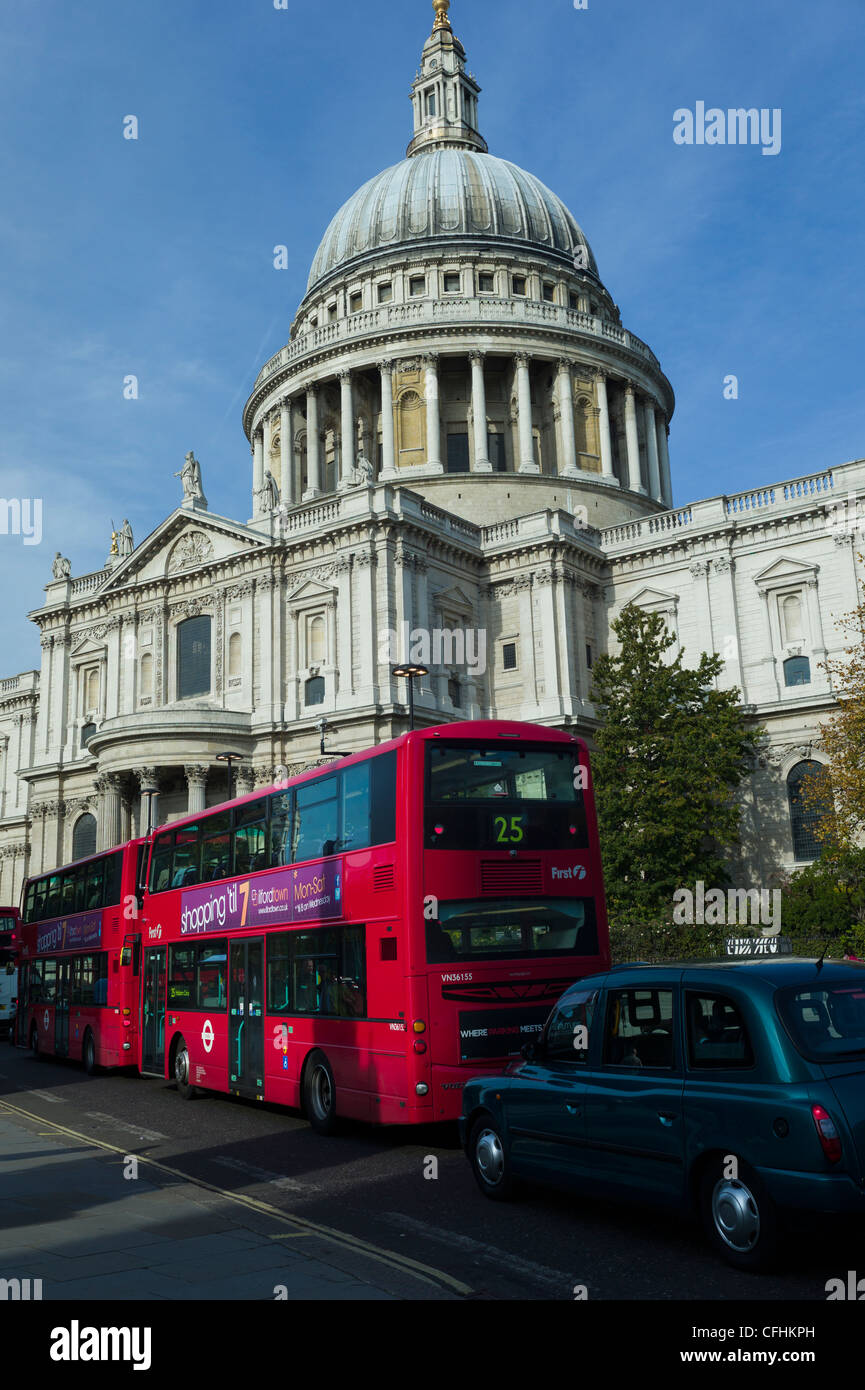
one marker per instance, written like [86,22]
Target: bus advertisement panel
[362,940]
[79,982]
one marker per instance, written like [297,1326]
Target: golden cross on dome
[441,8]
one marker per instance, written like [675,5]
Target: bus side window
[29,903]
[94,884]
[113,878]
[68,892]
[383,799]
[185,869]
[53,906]
[279,972]
[250,837]
[80,888]
[355,806]
[160,863]
[280,829]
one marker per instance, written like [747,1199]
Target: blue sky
[155,256]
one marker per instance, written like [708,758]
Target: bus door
[153,1012]
[61,1008]
[246,1019]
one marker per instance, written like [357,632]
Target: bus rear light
[127,1023]
[126,1013]
[420,1046]
[830,1139]
[421,1089]
[419,1026]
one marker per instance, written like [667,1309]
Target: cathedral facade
[460,457]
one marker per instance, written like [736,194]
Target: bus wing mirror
[530,1051]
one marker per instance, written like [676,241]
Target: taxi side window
[639,1031]
[717,1036]
[567,1034]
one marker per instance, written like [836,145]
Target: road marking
[151,1136]
[262,1175]
[556,1279]
[46,1095]
[291,1235]
[403,1264]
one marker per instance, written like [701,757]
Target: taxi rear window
[825,1022]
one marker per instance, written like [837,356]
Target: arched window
[235,654]
[314,691]
[91,689]
[87,731]
[455,693]
[791,613]
[146,674]
[84,836]
[797,671]
[315,641]
[193,658]
[803,818]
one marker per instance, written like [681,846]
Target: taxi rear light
[830,1139]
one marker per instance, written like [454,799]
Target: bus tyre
[88,1055]
[182,1071]
[34,1042]
[740,1218]
[490,1160]
[319,1094]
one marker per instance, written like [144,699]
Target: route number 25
[508,831]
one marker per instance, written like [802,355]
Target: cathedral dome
[448,194]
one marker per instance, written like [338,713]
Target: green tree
[669,760]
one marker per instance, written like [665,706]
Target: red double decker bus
[362,940]
[78,987]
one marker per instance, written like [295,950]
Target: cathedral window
[589,656]
[455,694]
[84,836]
[486,282]
[87,731]
[797,671]
[90,690]
[314,691]
[458,452]
[235,654]
[573,300]
[509,656]
[549,291]
[385,292]
[417,286]
[331,313]
[355,303]
[452,282]
[193,658]
[518,284]
[804,816]
[145,675]
[430,98]
[791,618]
[315,640]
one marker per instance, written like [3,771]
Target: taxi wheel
[181,1071]
[490,1161]
[319,1094]
[740,1218]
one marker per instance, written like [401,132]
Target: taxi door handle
[573,1108]
[666,1117]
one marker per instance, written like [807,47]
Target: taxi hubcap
[490,1157]
[736,1215]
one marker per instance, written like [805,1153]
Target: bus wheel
[88,1055]
[181,1071]
[490,1162]
[34,1042]
[319,1094]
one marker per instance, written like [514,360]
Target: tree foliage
[669,760]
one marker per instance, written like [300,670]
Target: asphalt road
[371,1184]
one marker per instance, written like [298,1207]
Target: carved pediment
[786,571]
[653,600]
[183,543]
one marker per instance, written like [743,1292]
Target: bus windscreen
[501,797]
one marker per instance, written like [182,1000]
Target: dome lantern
[444,95]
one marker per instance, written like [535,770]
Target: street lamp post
[229,758]
[408,670]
